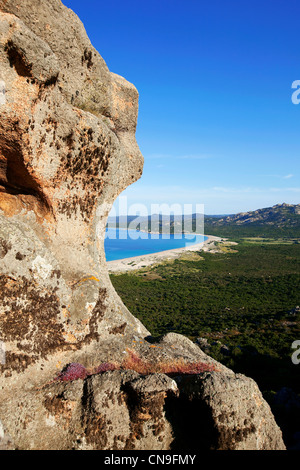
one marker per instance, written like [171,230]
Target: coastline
[143,261]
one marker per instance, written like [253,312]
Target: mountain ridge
[280,216]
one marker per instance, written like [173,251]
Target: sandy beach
[139,262]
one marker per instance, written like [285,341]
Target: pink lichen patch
[133,361]
[71,372]
[75,371]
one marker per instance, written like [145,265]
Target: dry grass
[132,361]
[177,367]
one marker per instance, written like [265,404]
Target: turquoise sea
[123,243]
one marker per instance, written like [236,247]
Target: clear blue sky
[217,125]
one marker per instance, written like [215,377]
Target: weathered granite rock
[67,150]
[229,413]
[6,442]
[117,410]
[65,157]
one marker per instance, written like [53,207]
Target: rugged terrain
[281,215]
[280,219]
[240,302]
[78,370]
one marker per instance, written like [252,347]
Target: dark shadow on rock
[192,424]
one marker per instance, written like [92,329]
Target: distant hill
[281,215]
[281,220]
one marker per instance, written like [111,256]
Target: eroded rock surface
[67,150]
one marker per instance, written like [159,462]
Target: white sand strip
[138,262]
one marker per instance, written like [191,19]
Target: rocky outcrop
[67,150]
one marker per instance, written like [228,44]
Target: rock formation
[67,150]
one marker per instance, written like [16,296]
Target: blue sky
[217,125]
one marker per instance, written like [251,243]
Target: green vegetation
[243,231]
[241,297]
[280,221]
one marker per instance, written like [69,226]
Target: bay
[123,243]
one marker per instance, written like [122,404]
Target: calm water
[122,243]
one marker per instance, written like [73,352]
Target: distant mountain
[281,215]
[124,221]
[219,216]
[158,222]
[282,220]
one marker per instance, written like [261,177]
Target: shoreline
[138,262]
